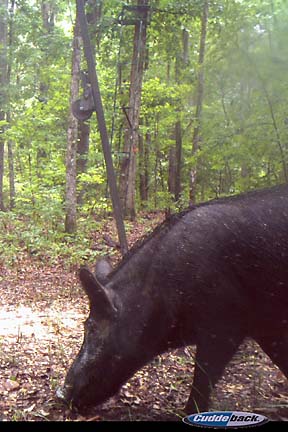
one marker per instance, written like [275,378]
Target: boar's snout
[72,391]
[63,394]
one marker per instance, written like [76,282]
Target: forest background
[195,102]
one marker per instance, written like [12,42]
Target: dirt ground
[42,309]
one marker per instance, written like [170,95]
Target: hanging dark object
[81,111]
[83,108]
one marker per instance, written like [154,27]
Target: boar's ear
[99,298]
[102,270]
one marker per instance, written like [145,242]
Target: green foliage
[244,131]
[40,235]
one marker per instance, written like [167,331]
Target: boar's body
[210,276]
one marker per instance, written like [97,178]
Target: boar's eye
[89,325]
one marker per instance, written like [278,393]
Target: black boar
[209,276]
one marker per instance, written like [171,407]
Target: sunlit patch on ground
[28,322]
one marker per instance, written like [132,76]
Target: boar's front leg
[213,354]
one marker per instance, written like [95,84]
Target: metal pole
[102,126]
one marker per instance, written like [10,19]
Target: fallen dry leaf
[9,385]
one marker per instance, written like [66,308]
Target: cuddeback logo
[225,419]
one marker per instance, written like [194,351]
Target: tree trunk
[172,171]
[185,43]
[178,155]
[175,155]
[72,137]
[82,153]
[199,102]
[2,206]
[8,115]
[281,146]
[3,88]
[142,177]
[83,146]
[144,151]
[131,139]
[48,15]
[175,163]
[94,15]
[157,162]
[48,24]
[11,175]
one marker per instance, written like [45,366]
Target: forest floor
[42,309]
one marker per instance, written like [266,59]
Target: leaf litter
[42,308]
